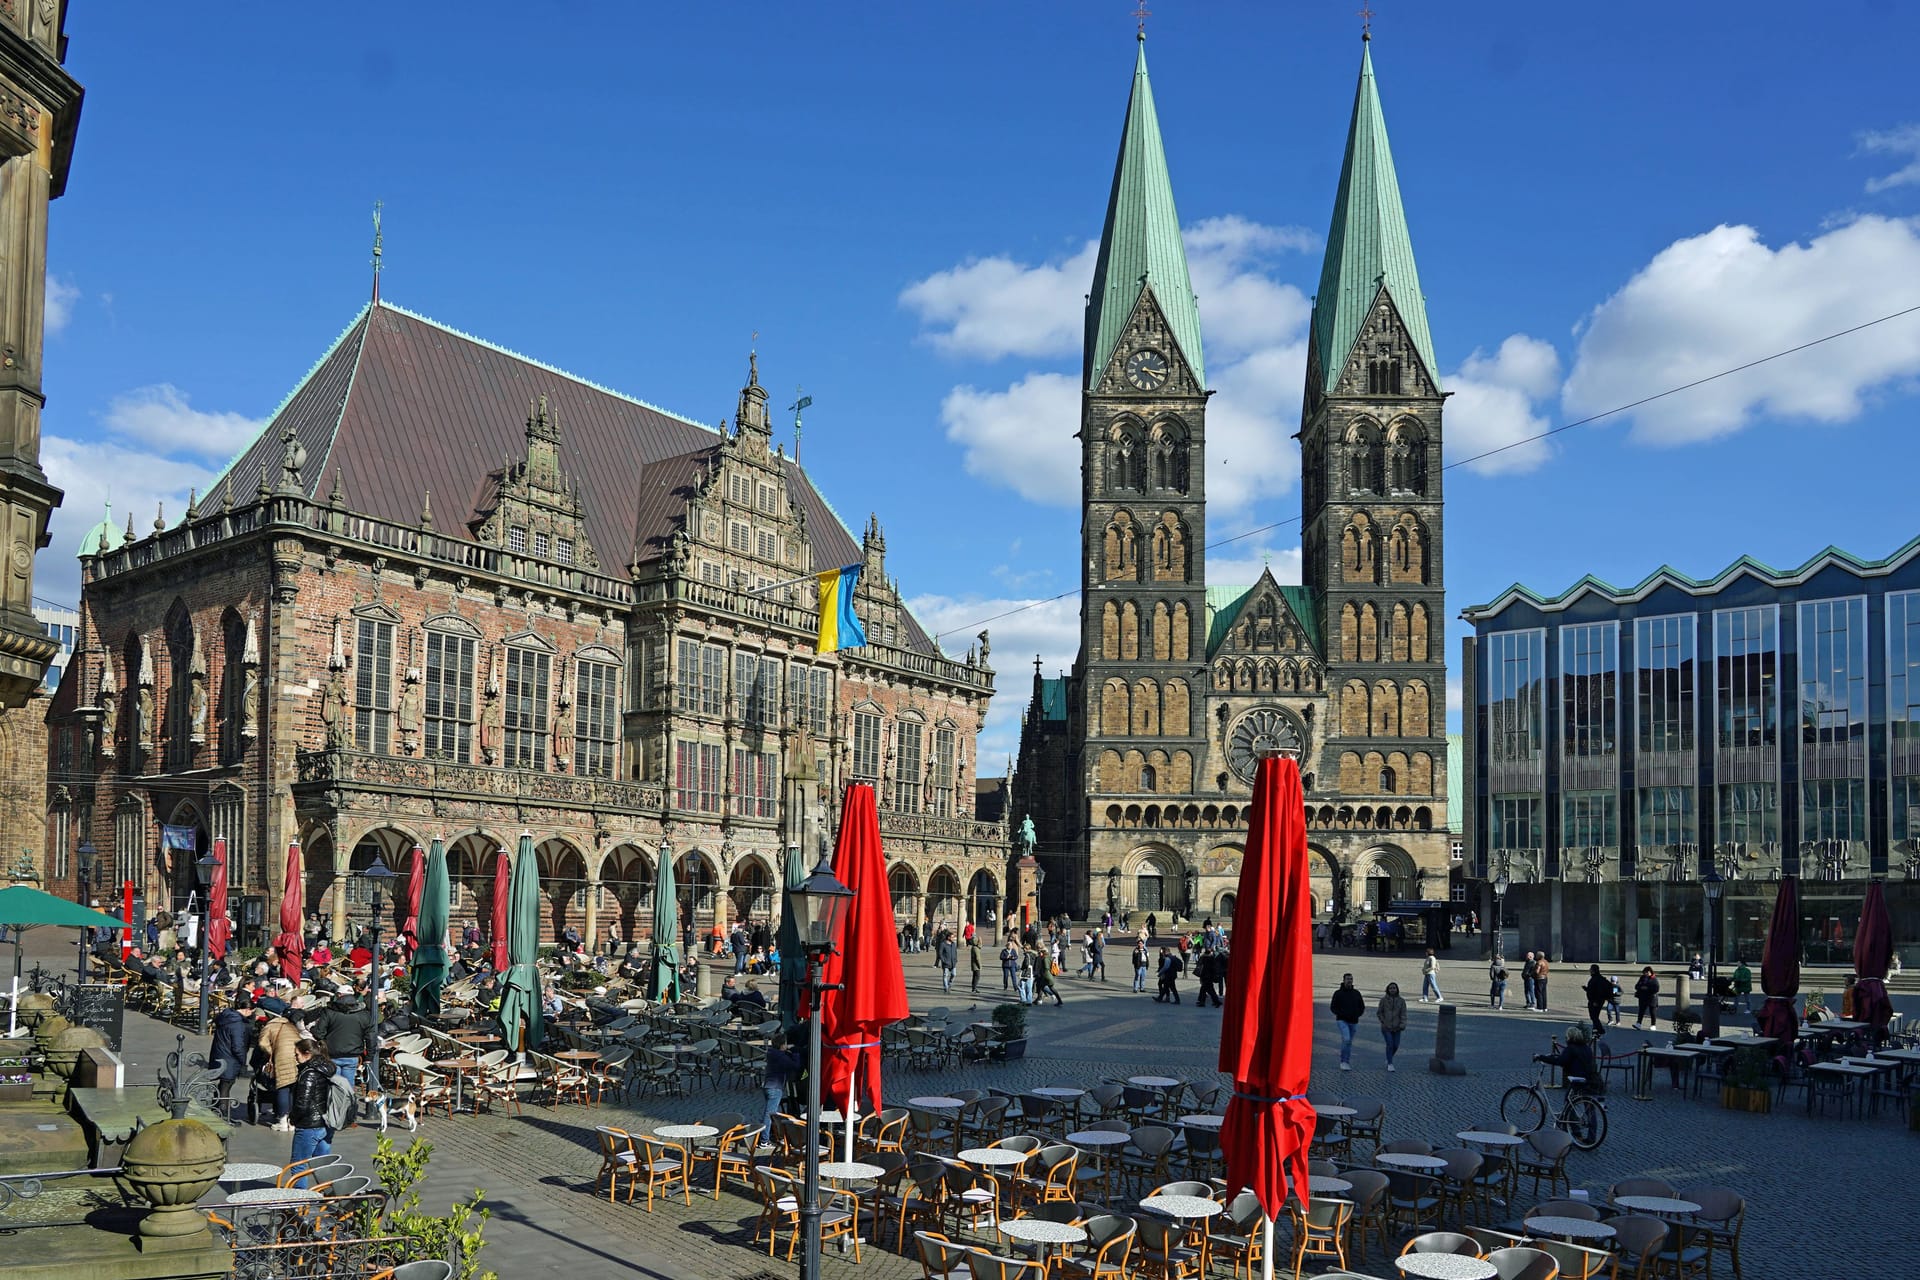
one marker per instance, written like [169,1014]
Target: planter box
[1735,1098]
[21,1092]
[1011,1050]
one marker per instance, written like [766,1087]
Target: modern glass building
[1762,722]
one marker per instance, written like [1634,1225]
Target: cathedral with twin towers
[1137,766]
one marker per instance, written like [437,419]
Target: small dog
[384,1106]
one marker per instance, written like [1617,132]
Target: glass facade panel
[1903,712]
[866,746]
[595,685]
[1746,656]
[907,782]
[1833,675]
[1589,818]
[1749,813]
[372,685]
[526,707]
[1664,683]
[1666,816]
[1589,689]
[1516,684]
[1832,809]
[1515,822]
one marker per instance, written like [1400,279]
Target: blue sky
[1605,201]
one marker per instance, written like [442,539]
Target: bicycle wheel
[1523,1108]
[1586,1123]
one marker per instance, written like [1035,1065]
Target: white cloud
[1901,140]
[91,472]
[1242,562]
[160,417]
[1049,628]
[1456,695]
[1713,301]
[1495,404]
[61,295]
[1022,436]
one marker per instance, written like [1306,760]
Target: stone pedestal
[1024,908]
[703,984]
[1445,1043]
[108,1252]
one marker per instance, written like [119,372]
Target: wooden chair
[1320,1231]
[1716,1227]
[941,1258]
[992,1266]
[617,1157]
[1544,1158]
[1164,1251]
[662,1164]
[1239,1234]
[1104,1253]
[1371,1212]
[1443,1242]
[1637,1242]
[1576,1262]
[1523,1264]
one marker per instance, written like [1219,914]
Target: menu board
[100,1005]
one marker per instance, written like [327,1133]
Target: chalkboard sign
[100,1005]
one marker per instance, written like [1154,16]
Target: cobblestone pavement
[1805,1178]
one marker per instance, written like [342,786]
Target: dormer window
[517,540]
[542,545]
[563,550]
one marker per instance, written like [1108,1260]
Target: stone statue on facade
[109,713]
[490,726]
[563,735]
[250,703]
[197,707]
[333,710]
[143,718]
[410,711]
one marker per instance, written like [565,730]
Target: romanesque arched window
[1407,456]
[1366,457]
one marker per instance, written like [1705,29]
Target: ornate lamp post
[86,856]
[1501,883]
[203,870]
[820,910]
[1713,886]
[379,874]
[1039,883]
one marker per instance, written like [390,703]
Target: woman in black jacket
[232,1036]
[1646,994]
[311,1088]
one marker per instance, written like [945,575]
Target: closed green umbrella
[666,928]
[793,965]
[522,1022]
[429,970]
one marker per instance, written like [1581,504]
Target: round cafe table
[1057,1091]
[685,1132]
[1334,1111]
[1151,1082]
[1203,1121]
[1322,1185]
[1402,1160]
[936,1102]
[246,1172]
[275,1195]
[1478,1138]
[1183,1207]
[1098,1138]
[849,1170]
[1658,1206]
[1042,1235]
[1572,1230]
[1445,1266]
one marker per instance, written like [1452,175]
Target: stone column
[342,866]
[592,929]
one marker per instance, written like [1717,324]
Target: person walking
[1599,990]
[1613,1001]
[1010,967]
[312,1084]
[277,1041]
[1497,982]
[1211,968]
[1743,986]
[947,956]
[342,1027]
[1153,925]
[1526,978]
[1540,981]
[1347,1005]
[1139,964]
[1392,1011]
[1029,958]
[1646,996]
[1169,977]
[1043,984]
[232,1032]
[1430,978]
[784,1066]
[973,961]
[1097,954]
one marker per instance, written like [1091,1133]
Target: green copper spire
[1368,245]
[1141,242]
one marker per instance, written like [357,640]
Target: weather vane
[1366,20]
[377,206]
[799,406]
[1140,15]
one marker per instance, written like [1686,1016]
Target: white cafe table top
[1657,1204]
[1445,1266]
[685,1132]
[1041,1231]
[1153,1082]
[995,1155]
[1183,1206]
[1098,1138]
[1204,1121]
[850,1169]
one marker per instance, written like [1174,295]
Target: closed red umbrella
[416,877]
[1266,1033]
[1780,966]
[290,942]
[219,928]
[502,885]
[1872,954]
[873,987]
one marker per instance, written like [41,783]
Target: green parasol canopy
[24,907]
[429,970]
[793,965]
[522,1021]
[666,930]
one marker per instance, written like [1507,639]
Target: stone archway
[1383,873]
[471,858]
[750,891]
[627,875]
[345,895]
[983,899]
[943,898]
[696,879]
[563,883]
[1155,877]
[903,887]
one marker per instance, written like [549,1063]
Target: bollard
[703,985]
[1682,993]
[1445,1041]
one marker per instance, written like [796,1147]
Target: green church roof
[1368,245]
[1224,604]
[1053,698]
[1140,243]
[102,538]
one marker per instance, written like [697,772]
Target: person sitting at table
[747,995]
[321,956]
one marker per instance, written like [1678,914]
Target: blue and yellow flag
[839,628]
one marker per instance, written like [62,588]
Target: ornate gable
[1147,330]
[532,508]
[1267,623]
[1384,360]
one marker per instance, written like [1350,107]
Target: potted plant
[16,1081]
[1010,1025]
[1747,1086]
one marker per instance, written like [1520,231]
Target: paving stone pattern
[1808,1181]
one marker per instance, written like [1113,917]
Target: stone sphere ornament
[171,1165]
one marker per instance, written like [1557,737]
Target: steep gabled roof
[1140,242]
[1368,247]
[1225,603]
[1667,576]
[401,404]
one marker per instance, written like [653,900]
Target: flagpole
[790,582]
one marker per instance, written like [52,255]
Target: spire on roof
[1368,247]
[1140,244]
[377,205]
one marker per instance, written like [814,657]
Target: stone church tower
[1137,767]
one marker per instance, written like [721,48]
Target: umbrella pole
[850,1106]
[1266,1248]
[13,1010]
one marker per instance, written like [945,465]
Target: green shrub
[455,1237]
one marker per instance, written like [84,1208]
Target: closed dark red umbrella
[502,885]
[1266,1033]
[416,878]
[291,942]
[873,987]
[219,928]
[1780,966]
[1872,953]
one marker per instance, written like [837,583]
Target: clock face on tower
[1147,369]
[1262,731]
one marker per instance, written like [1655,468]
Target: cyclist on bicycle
[1576,1061]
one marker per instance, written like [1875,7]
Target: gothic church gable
[1384,360]
[1147,330]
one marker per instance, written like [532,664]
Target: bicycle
[1582,1115]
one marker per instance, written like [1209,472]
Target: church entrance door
[1147,894]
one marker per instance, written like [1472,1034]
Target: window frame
[437,727]
[596,701]
[373,684]
[526,713]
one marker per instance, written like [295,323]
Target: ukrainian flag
[839,628]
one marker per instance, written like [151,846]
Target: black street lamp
[820,910]
[203,869]
[1713,886]
[378,873]
[1501,883]
[86,854]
